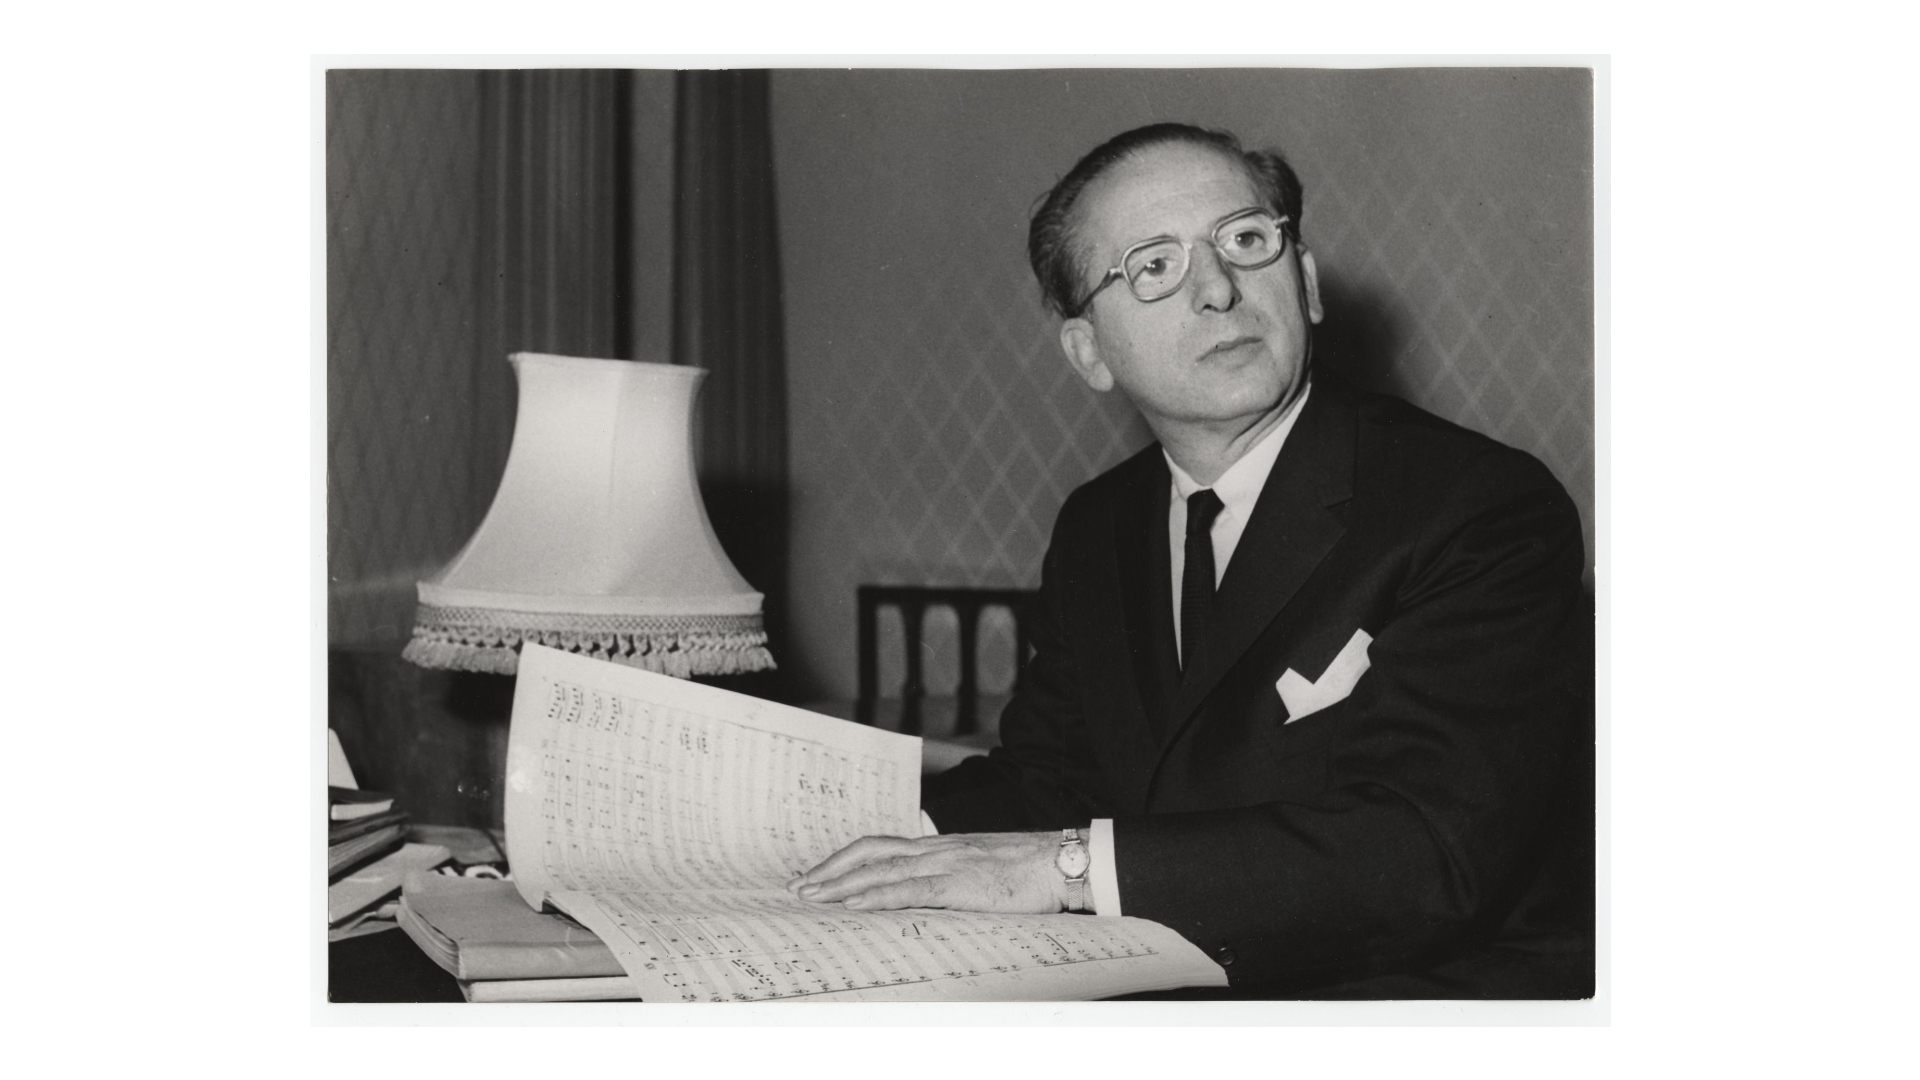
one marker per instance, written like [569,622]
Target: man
[1311,676]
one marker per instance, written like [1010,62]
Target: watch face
[1072,860]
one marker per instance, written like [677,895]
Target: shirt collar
[1239,487]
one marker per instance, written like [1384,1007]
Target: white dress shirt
[1239,488]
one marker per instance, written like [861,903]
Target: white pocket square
[1305,698]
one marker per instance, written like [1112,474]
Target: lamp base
[489,639]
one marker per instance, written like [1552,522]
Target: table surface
[386,967]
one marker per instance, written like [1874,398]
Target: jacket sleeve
[1439,773]
[1042,775]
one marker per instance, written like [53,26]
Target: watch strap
[1078,895]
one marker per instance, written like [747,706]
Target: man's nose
[1211,280]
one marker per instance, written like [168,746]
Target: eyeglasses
[1155,269]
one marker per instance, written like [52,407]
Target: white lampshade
[597,541]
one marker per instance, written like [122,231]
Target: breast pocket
[1287,740]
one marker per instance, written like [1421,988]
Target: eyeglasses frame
[1119,270]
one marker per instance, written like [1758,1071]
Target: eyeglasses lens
[1249,242]
[1155,270]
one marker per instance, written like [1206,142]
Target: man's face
[1231,344]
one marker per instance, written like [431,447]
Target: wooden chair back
[913,601]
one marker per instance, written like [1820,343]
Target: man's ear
[1083,352]
[1310,281]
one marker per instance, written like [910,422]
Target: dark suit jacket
[1428,836]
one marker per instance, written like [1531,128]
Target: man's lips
[1229,346]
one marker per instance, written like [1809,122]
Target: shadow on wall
[1362,337]
[750,520]
[445,755]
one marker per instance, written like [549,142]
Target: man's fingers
[854,855]
[885,870]
[986,872]
[915,892]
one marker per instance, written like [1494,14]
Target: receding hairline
[1077,245]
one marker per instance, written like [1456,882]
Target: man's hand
[1011,872]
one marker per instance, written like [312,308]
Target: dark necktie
[1196,579]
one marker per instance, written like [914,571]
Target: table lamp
[597,542]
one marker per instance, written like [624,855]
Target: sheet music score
[666,817]
[622,779]
[768,945]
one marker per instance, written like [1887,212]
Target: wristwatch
[1072,862]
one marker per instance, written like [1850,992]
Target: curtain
[727,319]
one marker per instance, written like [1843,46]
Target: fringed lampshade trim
[489,640]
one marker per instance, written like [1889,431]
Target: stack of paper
[355,896]
[360,826]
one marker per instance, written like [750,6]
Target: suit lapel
[1146,569]
[1135,661]
[1291,530]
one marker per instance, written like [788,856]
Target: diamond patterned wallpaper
[936,429]
[404,479]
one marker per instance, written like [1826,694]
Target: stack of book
[500,949]
[368,856]
[361,825]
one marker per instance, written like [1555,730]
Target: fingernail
[795,880]
[809,890]
[855,902]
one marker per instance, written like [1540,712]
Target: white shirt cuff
[926,825]
[1102,880]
